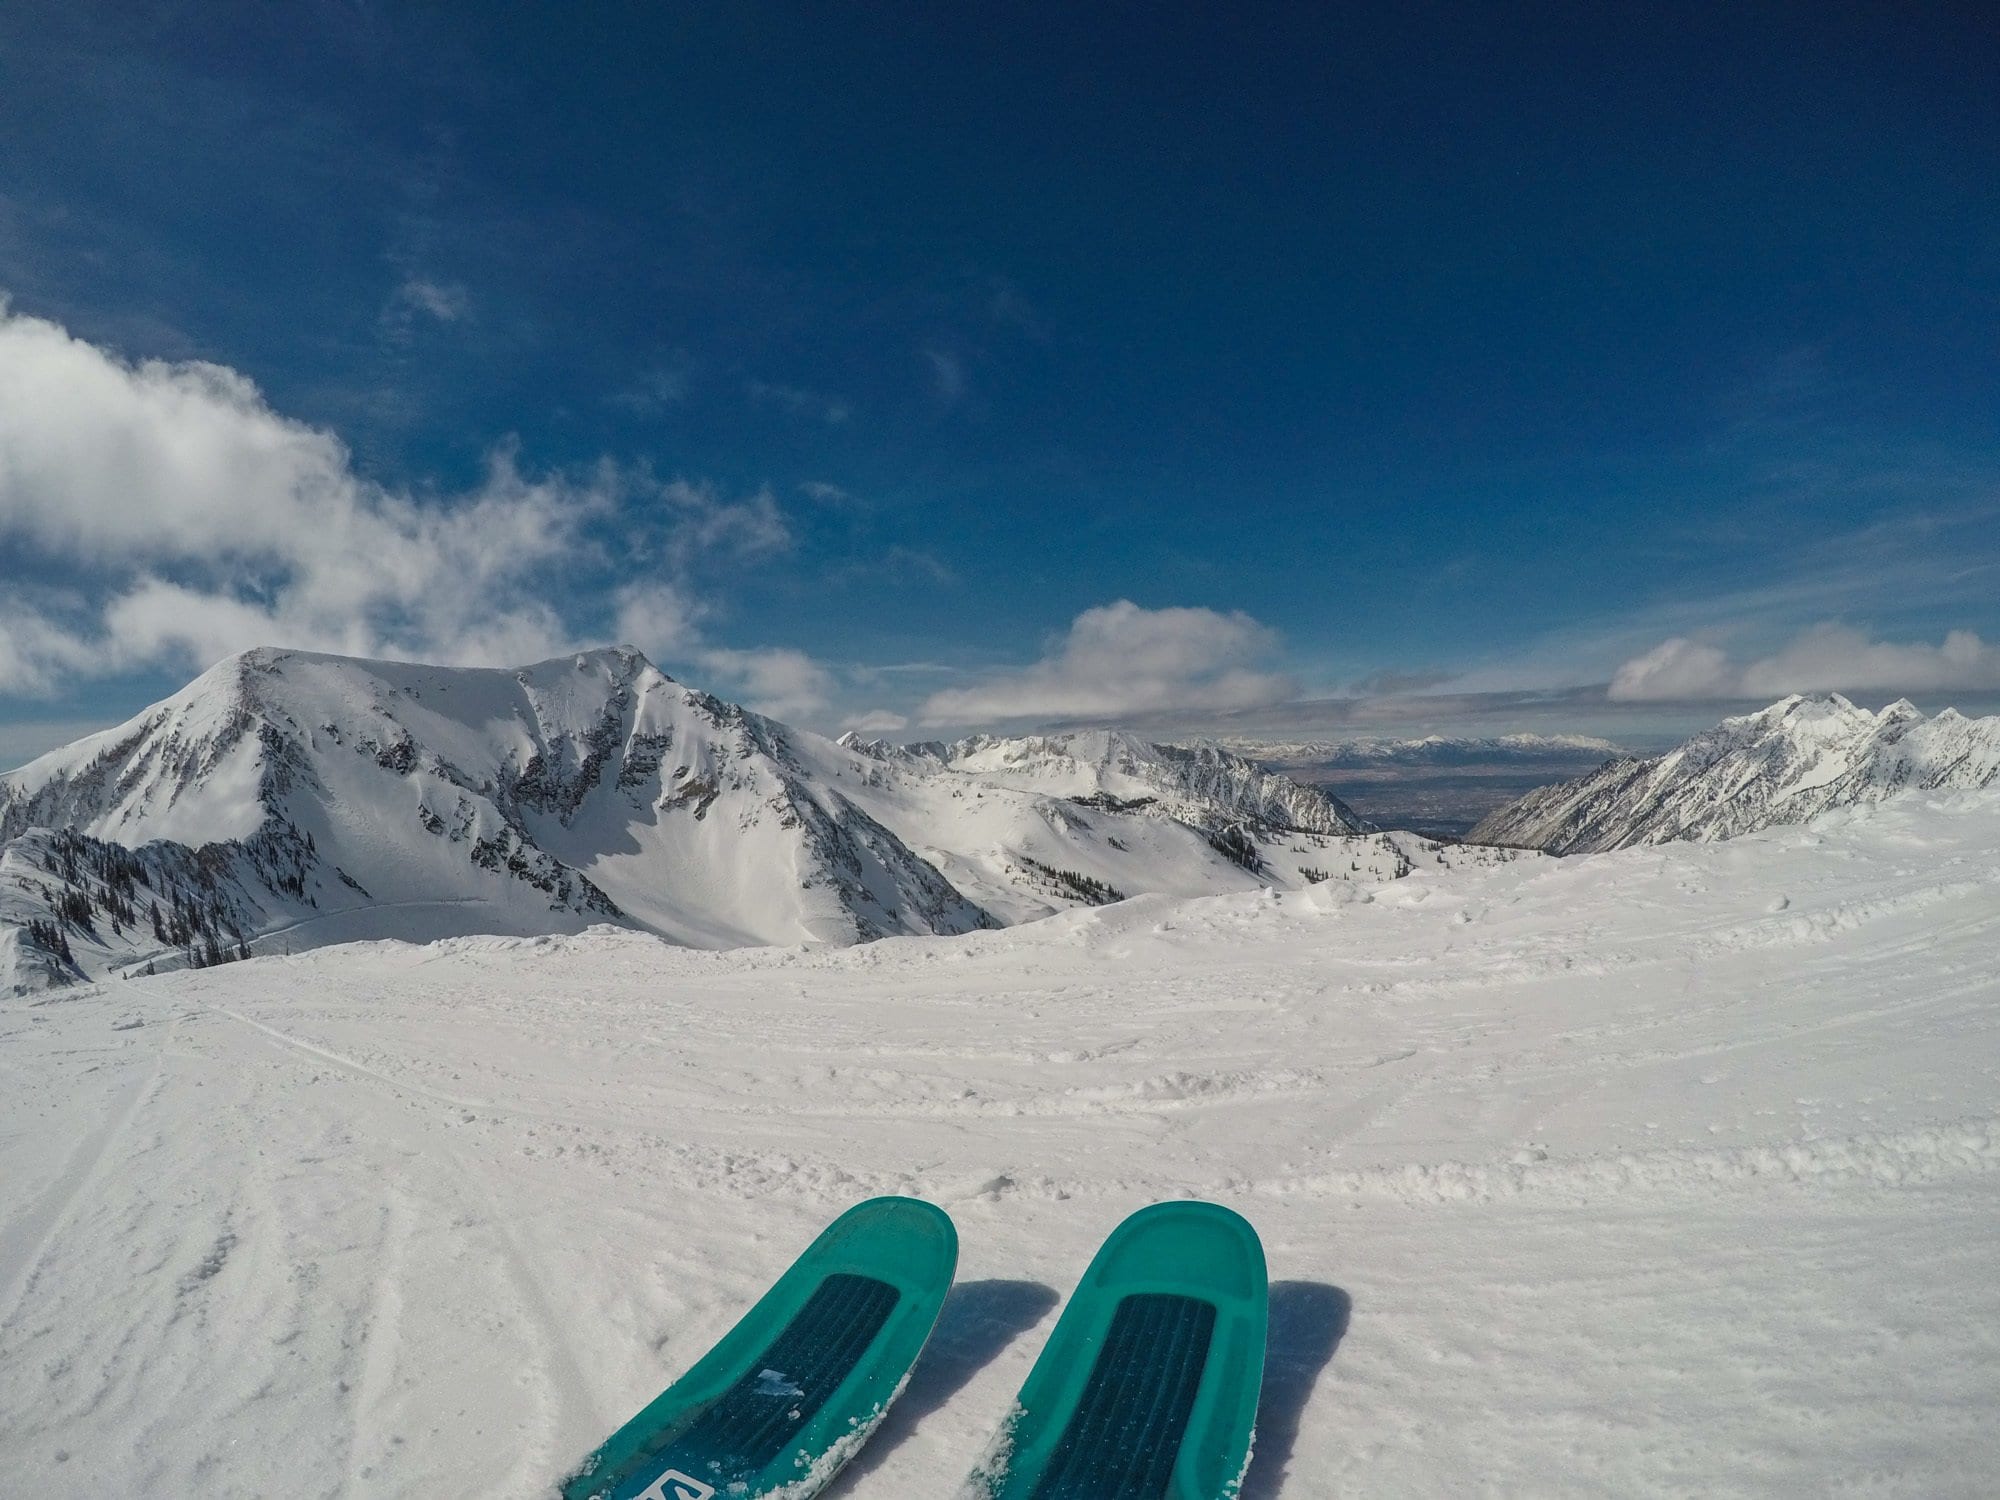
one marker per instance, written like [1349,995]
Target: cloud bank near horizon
[162,515]
[1826,658]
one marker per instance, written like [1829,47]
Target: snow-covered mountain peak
[1202,785]
[924,755]
[1782,764]
[1096,748]
[419,800]
[221,756]
[1830,715]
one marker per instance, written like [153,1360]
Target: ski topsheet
[1148,1387]
[794,1389]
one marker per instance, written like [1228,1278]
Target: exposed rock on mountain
[423,802]
[1784,764]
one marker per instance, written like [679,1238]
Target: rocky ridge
[1783,764]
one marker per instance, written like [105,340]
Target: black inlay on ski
[1126,1432]
[749,1423]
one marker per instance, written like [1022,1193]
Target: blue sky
[923,366]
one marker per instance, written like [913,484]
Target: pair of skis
[1147,1389]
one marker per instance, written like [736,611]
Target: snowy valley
[1439,784]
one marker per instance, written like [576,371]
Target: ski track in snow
[1664,1172]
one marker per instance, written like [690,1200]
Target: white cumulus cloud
[212,523]
[878,721]
[665,622]
[774,680]
[195,521]
[1828,657]
[1676,668]
[1120,659]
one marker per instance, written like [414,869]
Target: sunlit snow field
[1664,1172]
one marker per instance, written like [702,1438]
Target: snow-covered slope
[1202,785]
[1784,764]
[428,801]
[1027,826]
[285,800]
[1667,1172]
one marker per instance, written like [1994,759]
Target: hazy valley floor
[1658,1173]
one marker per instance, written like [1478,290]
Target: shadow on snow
[979,1320]
[1308,1321]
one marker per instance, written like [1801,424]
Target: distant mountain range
[285,800]
[1439,785]
[1201,785]
[1784,764]
[1369,753]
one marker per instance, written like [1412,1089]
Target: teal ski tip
[793,1390]
[1147,1389]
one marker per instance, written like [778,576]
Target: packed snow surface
[1669,1171]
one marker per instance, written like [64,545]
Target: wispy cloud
[1009,306]
[916,565]
[705,523]
[668,623]
[446,301]
[1892,576]
[664,385]
[774,680]
[1388,683]
[421,300]
[797,401]
[829,494]
[947,372]
[878,721]
[660,617]
[897,566]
